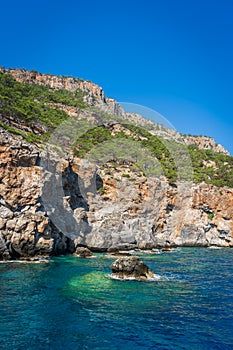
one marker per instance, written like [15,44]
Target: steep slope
[206,143]
[112,185]
[94,94]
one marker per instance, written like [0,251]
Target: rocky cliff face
[101,208]
[95,97]
[52,202]
[135,212]
[204,142]
[94,94]
[25,228]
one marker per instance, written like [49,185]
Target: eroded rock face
[130,267]
[110,211]
[149,213]
[25,227]
[94,94]
[204,142]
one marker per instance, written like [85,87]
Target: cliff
[128,214]
[54,199]
[94,94]
[206,143]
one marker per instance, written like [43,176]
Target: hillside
[77,169]
[34,104]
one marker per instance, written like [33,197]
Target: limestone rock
[25,231]
[39,218]
[132,211]
[83,252]
[145,213]
[130,267]
[94,94]
[204,142]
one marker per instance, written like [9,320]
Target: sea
[73,303]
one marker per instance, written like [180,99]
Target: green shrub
[101,190]
[210,216]
[126,175]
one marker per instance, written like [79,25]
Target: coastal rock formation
[205,142]
[188,215]
[130,268]
[25,227]
[145,213]
[53,201]
[83,252]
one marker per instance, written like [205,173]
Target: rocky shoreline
[54,202]
[148,214]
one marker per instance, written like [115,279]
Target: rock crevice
[41,219]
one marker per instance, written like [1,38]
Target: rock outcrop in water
[83,252]
[130,267]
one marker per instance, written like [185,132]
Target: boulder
[130,267]
[83,252]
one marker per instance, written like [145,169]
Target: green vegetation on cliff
[174,158]
[211,167]
[25,106]
[32,103]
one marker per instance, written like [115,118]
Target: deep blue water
[69,303]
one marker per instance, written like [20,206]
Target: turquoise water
[70,303]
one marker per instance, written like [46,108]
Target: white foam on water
[142,251]
[156,278]
[149,251]
[39,261]
[156,251]
[214,247]
[121,279]
[87,257]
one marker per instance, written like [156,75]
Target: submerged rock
[130,267]
[83,252]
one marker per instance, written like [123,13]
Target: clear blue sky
[174,56]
